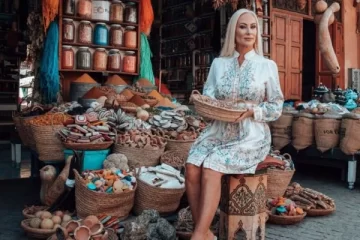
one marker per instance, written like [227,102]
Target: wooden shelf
[97,71]
[99,46]
[100,21]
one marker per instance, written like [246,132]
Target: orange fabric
[163,88]
[146,16]
[50,8]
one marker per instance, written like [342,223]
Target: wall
[351,39]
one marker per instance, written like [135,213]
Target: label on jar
[117,37]
[68,32]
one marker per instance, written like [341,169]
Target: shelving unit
[186,31]
[68,74]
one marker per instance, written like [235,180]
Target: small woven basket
[139,156]
[29,212]
[165,201]
[319,212]
[97,203]
[34,232]
[207,110]
[285,220]
[174,158]
[179,145]
[88,146]
[278,181]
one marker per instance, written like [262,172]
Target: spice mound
[50,119]
[109,180]
[85,78]
[115,80]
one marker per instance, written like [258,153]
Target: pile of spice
[85,78]
[115,80]
[97,92]
[109,180]
[52,119]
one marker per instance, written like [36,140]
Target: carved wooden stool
[243,207]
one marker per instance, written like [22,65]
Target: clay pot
[71,226]
[90,221]
[82,233]
[301,4]
[103,236]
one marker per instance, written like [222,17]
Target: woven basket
[88,146]
[139,156]
[179,145]
[29,212]
[285,220]
[319,212]
[97,203]
[165,201]
[20,130]
[48,145]
[174,158]
[34,232]
[112,234]
[27,132]
[277,182]
[207,110]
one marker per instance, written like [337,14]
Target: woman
[241,72]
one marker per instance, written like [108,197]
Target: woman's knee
[192,173]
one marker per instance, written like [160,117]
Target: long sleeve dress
[237,148]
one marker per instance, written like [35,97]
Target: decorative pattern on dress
[237,148]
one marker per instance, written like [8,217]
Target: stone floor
[342,225]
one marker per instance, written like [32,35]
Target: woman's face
[246,30]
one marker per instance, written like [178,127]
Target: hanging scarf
[146,16]
[146,70]
[49,68]
[50,8]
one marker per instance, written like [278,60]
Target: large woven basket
[20,130]
[27,132]
[88,146]
[139,156]
[207,110]
[179,145]
[48,145]
[34,232]
[174,158]
[277,182]
[165,201]
[285,220]
[96,203]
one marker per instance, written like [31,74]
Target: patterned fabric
[237,148]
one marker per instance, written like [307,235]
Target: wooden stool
[243,207]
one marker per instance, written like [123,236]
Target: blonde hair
[228,48]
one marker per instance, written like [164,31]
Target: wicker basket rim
[148,185]
[320,210]
[90,143]
[118,145]
[196,99]
[25,225]
[180,141]
[82,182]
[279,170]
[288,217]
[25,211]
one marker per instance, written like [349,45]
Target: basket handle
[287,156]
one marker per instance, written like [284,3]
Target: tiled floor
[7,170]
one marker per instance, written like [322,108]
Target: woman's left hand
[247,114]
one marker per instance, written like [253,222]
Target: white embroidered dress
[237,148]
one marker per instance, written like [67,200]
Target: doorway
[309,59]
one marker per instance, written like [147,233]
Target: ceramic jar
[116,35]
[129,62]
[100,59]
[117,11]
[130,37]
[130,13]
[85,32]
[114,60]
[84,8]
[67,57]
[68,30]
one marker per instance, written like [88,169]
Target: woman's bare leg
[209,202]
[193,189]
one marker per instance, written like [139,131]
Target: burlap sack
[327,133]
[302,131]
[350,134]
[281,131]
